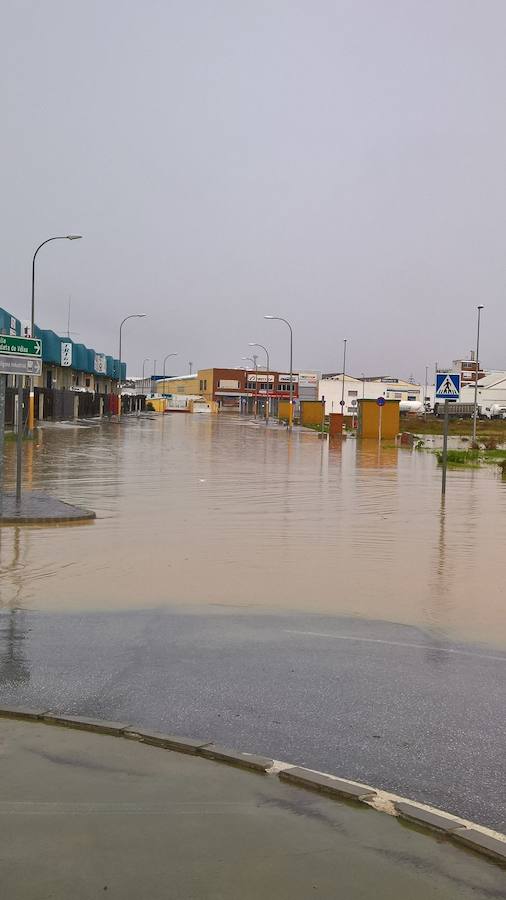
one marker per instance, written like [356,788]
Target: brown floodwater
[206,510]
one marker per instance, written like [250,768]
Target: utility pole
[476,364]
[344,370]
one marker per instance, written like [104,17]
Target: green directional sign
[18,346]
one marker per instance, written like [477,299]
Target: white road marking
[352,637]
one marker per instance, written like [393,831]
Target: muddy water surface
[198,510]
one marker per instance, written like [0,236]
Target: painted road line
[434,647]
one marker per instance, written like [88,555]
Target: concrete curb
[476,837]
[325,784]
[37,508]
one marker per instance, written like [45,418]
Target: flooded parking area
[222,512]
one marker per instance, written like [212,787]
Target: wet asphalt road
[382,703]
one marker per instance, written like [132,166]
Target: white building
[491,393]
[331,388]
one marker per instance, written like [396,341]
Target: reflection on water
[215,510]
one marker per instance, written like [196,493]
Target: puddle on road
[214,510]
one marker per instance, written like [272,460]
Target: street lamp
[31,401]
[133,316]
[61,237]
[165,360]
[253,359]
[256,344]
[31,404]
[143,364]
[290,412]
[344,370]
[475,411]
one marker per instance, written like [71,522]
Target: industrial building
[76,380]
[239,389]
[335,388]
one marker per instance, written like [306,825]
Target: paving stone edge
[457,831]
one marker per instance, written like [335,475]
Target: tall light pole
[253,359]
[290,411]
[143,364]
[154,378]
[344,370]
[256,344]
[426,389]
[133,316]
[165,361]
[31,405]
[475,411]
[363,384]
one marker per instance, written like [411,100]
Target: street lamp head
[270,317]
[481,307]
[74,237]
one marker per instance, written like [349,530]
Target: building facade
[240,389]
[335,389]
[69,369]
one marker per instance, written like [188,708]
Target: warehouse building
[76,380]
[240,389]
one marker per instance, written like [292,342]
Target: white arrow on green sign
[20,346]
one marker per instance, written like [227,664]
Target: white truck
[495,411]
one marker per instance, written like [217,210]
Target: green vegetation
[318,428]
[487,429]
[473,457]
[11,436]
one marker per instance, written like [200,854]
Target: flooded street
[220,512]
[274,592]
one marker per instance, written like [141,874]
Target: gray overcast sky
[338,163]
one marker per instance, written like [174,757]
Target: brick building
[238,388]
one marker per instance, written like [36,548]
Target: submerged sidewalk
[82,814]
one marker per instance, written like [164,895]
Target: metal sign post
[19,442]
[444,458]
[20,357]
[2,435]
[381,402]
[447,389]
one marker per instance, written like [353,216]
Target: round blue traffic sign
[381,401]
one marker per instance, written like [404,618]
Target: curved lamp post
[290,411]
[31,401]
[256,344]
[133,316]
[164,364]
[59,237]
[143,364]
[253,359]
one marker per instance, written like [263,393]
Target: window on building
[250,385]
[352,393]
[201,385]
[205,384]
[88,382]
[398,395]
[411,397]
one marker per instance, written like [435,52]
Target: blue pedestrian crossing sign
[447,385]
